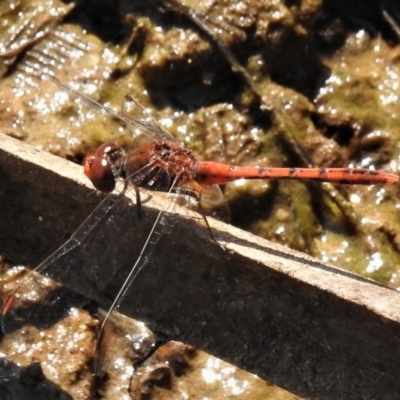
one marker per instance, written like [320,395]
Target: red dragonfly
[162,164]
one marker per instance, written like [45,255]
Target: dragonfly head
[99,169]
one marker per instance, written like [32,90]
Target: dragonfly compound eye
[98,168]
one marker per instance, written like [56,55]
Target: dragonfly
[161,164]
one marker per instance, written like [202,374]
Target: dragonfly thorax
[159,165]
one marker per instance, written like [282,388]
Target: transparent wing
[98,258]
[143,123]
[158,229]
[135,112]
[211,197]
[38,300]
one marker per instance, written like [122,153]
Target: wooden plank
[295,321]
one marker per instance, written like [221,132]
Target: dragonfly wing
[213,203]
[209,200]
[159,227]
[86,263]
[139,120]
[100,255]
[211,197]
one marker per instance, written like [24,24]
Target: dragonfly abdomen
[208,173]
